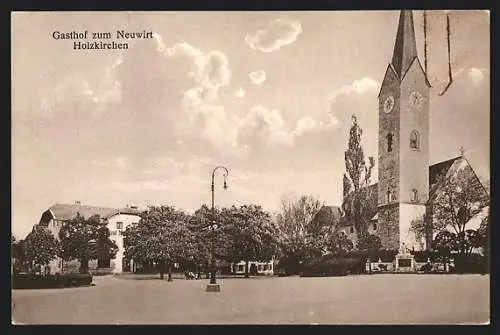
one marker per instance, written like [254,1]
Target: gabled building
[116,219]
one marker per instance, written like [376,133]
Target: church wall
[414,163]
[408,213]
[388,164]
[388,227]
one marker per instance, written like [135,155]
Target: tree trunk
[162,269]
[169,271]
[247,269]
[84,265]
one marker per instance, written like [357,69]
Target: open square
[375,299]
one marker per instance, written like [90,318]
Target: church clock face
[416,100]
[389,104]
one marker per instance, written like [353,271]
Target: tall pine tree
[356,180]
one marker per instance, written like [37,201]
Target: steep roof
[405,46]
[327,216]
[439,169]
[68,211]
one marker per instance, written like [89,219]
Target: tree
[205,240]
[356,204]
[340,244]
[422,227]
[460,198]
[296,234]
[444,243]
[84,239]
[106,248]
[484,235]
[39,247]
[369,242]
[251,232]
[161,236]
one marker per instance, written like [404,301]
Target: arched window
[389,142]
[414,140]
[414,195]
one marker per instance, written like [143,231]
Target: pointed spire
[405,48]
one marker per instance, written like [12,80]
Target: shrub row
[333,266]
[30,281]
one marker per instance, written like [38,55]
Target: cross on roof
[462,151]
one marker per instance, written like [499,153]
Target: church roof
[405,47]
[439,169]
[327,216]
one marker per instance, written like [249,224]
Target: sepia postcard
[251,167]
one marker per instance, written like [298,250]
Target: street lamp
[213,286]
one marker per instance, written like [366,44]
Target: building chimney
[78,202]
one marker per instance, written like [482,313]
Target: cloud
[280,32]
[77,92]
[307,125]
[240,93]
[210,71]
[257,77]
[123,163]
[267,124]
[477,75]
[358,86]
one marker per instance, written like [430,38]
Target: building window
[389,196]
[389,142]
[119,225]
[374,226]
[351,230]
[414,195]
[414,140]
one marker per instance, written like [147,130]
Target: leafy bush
[332,265]
[471,263]
[30,281]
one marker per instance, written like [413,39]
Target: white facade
[117,224]
[264,268]
[407,214]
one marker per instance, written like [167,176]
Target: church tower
[403,149]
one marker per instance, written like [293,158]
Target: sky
[269,95]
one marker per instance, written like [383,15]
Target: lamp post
[213,286]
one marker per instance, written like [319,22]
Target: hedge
[471,263]
[30,281]
[332,266]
